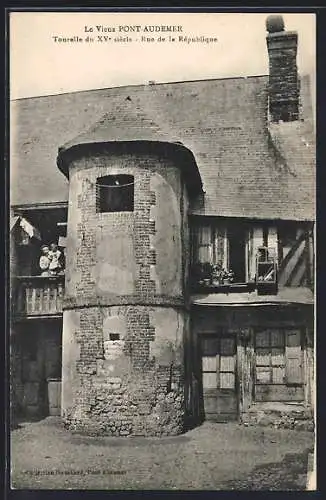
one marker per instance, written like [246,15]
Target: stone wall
[280,416]
[125,313]
[133,385]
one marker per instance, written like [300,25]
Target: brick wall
[131,270]
[283,76]
[125,314]
[134,385]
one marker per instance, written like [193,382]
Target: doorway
[218,364]
[39,383]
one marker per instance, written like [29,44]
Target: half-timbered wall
[295,252]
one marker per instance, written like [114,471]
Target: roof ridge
[243,77]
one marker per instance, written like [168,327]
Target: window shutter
[220,247]
[293,357]
[204,244]
[254,240]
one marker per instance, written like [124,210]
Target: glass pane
[278,357]
[219,246]
[209,346]
[209,363]
[209,381]
[204,235]
[227,347]
[262,339]
[263,375]
[277,338]
[204,254]
[262,356]
[279,375]
[227,381]
[272,253]
[293,338]
[227,364]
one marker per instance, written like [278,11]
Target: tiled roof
[222,122]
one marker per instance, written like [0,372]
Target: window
[225,252]
[218,362]
[219,252]
[270,357]
[115,193]
[278,360]
[266,265]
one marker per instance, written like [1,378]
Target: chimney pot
[274,24]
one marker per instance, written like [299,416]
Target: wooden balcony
[35,296]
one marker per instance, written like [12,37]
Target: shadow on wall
[195,415]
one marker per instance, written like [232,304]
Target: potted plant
[228,276]
[207,273]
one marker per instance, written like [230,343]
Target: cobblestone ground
[211,457]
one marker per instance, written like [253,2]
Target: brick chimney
[283,72]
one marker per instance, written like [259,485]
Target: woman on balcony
[44,262]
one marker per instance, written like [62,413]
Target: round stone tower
[126,314]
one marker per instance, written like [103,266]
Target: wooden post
[309,370]
[55,297]
[249,369]
[21,298]
[47,299]
[311,260]
[240,372]
[245,359]
[60,296]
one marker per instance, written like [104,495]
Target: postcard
[162,250]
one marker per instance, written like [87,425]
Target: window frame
[206,247]
[284,331]
[115,182]
[222,230]
[218,339]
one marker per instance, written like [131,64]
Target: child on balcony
[55,257]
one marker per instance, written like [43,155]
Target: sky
[39,65]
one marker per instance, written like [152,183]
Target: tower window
[114,336]
[115,193]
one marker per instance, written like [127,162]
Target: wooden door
[218,356]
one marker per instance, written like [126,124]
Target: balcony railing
[38,295]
